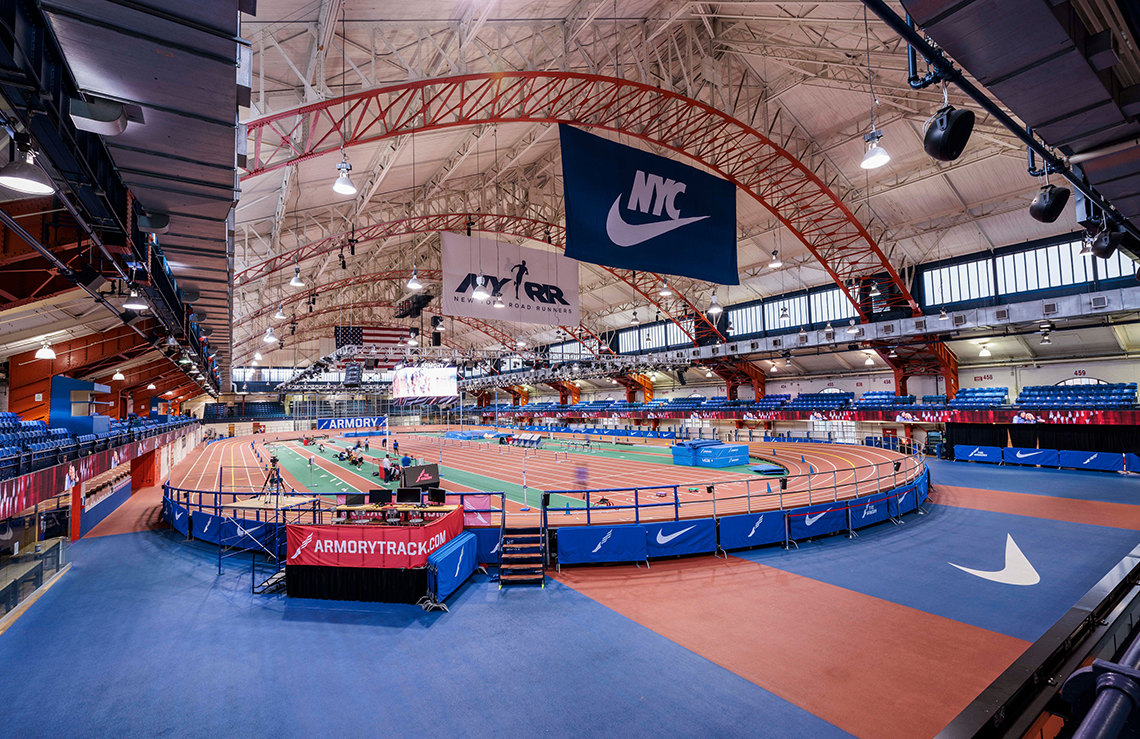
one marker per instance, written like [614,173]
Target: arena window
[958,282]
[830,305]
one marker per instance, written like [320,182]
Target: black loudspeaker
[681,376]
[546,500]
[436,339]
[1049,203]
[1105,243]
[783,483]
[948,133]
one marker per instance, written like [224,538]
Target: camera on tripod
[273,461]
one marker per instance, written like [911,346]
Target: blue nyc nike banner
[817,520]
[869,509]
[1023,455]
[977,453]
[752,529]
[624,543]
[630,209]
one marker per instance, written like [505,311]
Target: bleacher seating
[934,400]
[1078,397]
[980,398]
[773,402]
[882,400]
[820,402]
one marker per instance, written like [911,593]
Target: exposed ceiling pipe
[1084,156]
[948,72]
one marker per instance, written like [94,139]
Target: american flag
[370,336]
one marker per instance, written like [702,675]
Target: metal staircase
[522,558]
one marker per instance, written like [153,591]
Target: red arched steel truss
[798,198]
[646,284]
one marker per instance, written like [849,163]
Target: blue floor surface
[142,639]
[1110,487]
[909,565]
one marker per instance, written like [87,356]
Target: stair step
[522,544]
[523,537]
[510,577]
[530,567]
[525,531]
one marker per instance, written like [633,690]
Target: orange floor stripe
[1095,512]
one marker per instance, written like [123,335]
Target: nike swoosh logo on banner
[809,520]
[496,548]
[1017,570]
[178,515]
[1091,458]
[1023,456]
[666,539]
[8,536]
[629,234]
[460,562]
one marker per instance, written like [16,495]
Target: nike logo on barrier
[756,526]
[496,547]
[460,562]
[207,526]
[629,234]
[8,536]
[1023,456]
[603,541]
[666,539]
[809,520]
[178,515]
[1091,458]
[903,496]
[1017,570]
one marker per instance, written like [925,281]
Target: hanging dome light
[151,387]
[297,281]
[852,329]
[499,302]
[775,263]
[171,341]
[784,316]
[253,363]
[343,184]
[633,321]
[257,355]
[708,373]
[875,290]
[169,392]
[412,340]
[985,352]
[118,376]
[185,359]
[269,338]
[894,354]
[942,315]
[280,314]
[22,174]
[714,307]
[134,302]
[876,156]
[414,283]
[870,361]
[665,291]
[520,341]
[774,367]
[480,292]
[45,352]
[1045,340]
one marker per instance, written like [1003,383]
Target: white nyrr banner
[536,286]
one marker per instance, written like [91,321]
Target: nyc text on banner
[630,209]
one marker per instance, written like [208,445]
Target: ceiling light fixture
[942,316]
[480,292]
[257,355]
[708,373]
[412,340]
[151,387]
[297,281]
[118,376]
[985,352]
[343,184]
[22,174]
[280,314]
[253,363]
[665,291]
[784,316]
[875,156]
[520,341]
[714,307]
[45,352]
[894,354]
[134,302]
[852,329]
[414,283]
[1045,340]
[775,263]
[269,338]
[869,361]
[633,321]
[499,302]
[169,392]
[185,359]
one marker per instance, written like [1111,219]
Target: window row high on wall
[1018,272]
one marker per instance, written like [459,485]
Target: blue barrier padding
[179,519]
[671,538]
[1131,462]
[977,453]
[752,529]
[91,518]
[206,526]
[1019,455]
[451,564]
[870,509]
[580,544]
[817,520]
[923,486]
[903,500]
[488,539]
[1092,460]
[165,509]
[246,534]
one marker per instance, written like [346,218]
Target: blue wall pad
[206,526]
[581,544]
[752,529]
[671,538]
[488,551]
[1092,460]
[1132,462]
[1019,455]
[90,519]
[450,565]
[977,453]
[870,509]
[817,520]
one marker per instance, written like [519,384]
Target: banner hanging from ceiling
[535,286]
[630,209]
